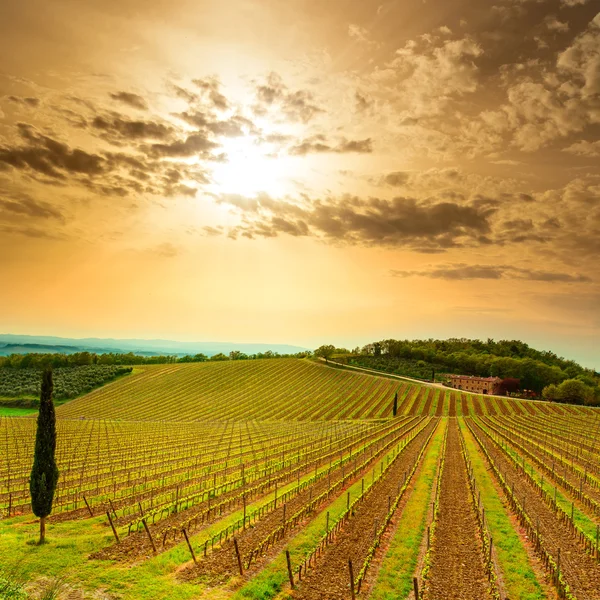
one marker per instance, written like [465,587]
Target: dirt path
[457,568]
[330,579]
[579,569]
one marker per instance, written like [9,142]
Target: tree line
[57,360]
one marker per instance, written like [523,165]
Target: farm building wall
[479,385]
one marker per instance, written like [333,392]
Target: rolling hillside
[290,389]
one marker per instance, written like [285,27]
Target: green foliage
[12,586]
[44,473]
[505,359]
[398,366]
[326,351]
[572,391]
[69,381]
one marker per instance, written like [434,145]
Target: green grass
[65,556]
[394,580]
[517,572]
[13,411]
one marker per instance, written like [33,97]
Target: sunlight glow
[251,167]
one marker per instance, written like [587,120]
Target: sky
[302,172]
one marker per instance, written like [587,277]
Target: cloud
[296,106]
[362,102]
[29,101]
[582,60]
[234,126]
[318,144]
[166,250]
[360,35]
[553,24]
[462,271]
[130,99]
[48,156]
[397,178]
[544,104]
[196,144]
[118,129]
[21,204]
[210,88]
[430,72]
[422,226]
[584,148]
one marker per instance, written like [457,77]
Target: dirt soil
[579,569]
[330,579]
[457,567]
[222,563]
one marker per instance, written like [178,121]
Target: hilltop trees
[325,351]
[44,473]
[573,391]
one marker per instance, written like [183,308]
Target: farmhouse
[480,385]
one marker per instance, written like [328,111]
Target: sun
[250,167]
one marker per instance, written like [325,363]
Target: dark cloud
[118,129]
[423,226]
[196,144]
[48,156]
[397,178]
[210,88]
[361,102]
[296,106]
[31,232]
[518,224]
[462,271]
[30,102]
[235,126]
[22,205]
[184,94]
[130,99]
[317,143]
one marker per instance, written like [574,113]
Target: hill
[20,344]
[290,389]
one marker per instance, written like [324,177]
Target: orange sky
[302,172]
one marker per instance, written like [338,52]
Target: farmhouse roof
[473,378]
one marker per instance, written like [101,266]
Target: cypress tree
[395,404]
[433,375]
[44,473]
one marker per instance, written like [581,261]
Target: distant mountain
[22,344]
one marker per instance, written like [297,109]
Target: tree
[326,351]
[44,473]
[395,410]
[574,391]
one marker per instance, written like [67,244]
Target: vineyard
[291,479]
[69,382]
[285,389]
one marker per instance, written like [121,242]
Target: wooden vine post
[351,579]
[187,540]
[416,587]
[149,535]
[239,558]
[289,568]
[113,527]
